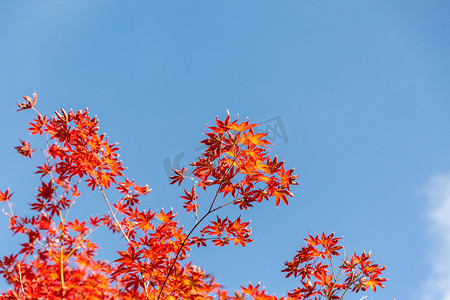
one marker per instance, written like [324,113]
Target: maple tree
[59,259]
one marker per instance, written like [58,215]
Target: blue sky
[361,88]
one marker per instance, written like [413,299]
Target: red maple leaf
[25,149]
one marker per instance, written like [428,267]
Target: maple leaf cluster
[58,259]
[237,161]
[312,265]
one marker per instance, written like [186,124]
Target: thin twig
[20,280]
[210,210]
[114,216]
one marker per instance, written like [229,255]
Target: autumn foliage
[59,259]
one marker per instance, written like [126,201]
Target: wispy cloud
[437,285]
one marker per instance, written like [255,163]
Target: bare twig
[210,210]
[20,280]
[113,215]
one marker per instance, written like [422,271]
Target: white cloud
[437,285]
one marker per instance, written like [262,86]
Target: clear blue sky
[362,89]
